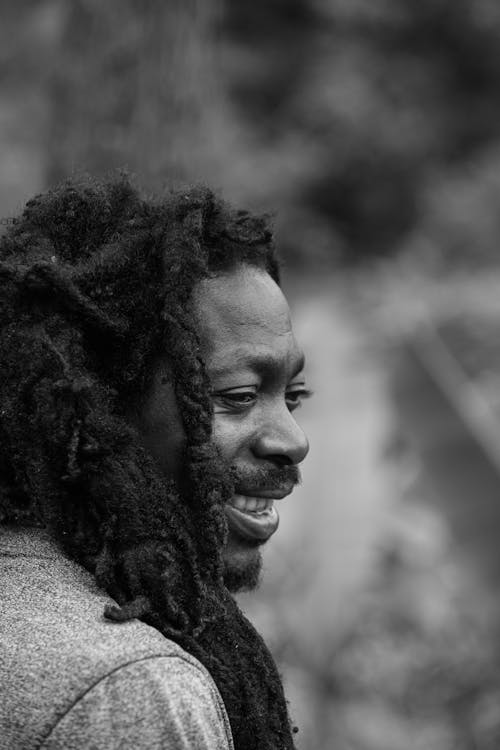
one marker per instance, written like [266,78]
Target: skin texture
[255,369]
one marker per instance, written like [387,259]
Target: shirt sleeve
[159,702]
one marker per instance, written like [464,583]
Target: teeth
[239,502]
[251,504]
[263,504]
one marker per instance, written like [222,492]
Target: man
[149,377]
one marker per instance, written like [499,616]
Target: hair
[96,283]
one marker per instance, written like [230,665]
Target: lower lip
[252,526]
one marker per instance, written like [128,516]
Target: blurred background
[371,129]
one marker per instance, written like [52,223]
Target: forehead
[243,316]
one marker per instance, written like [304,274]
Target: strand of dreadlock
[47,278]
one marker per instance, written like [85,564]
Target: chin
[242,567]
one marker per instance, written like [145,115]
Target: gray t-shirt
[72,679]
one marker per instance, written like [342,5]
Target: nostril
[281,460]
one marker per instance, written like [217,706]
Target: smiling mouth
[253,516]
[255,505]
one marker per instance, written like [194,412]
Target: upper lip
[274,493]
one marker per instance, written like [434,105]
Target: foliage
[396,96]
[358,121]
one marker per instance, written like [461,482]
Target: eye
[239,398]
[294,397]
[236,400]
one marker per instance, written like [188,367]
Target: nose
[280,439]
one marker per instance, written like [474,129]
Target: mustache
[271,478]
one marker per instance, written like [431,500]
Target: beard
[241,556]
[242,565]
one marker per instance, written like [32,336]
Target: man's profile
[149,375]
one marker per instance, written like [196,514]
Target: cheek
[231,436]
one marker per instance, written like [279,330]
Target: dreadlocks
[96,285]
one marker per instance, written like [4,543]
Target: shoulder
[62,659]
[159,702]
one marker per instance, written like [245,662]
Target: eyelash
[236,399]
[301,393]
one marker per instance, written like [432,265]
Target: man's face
[255,370]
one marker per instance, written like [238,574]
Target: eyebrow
[263,364]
